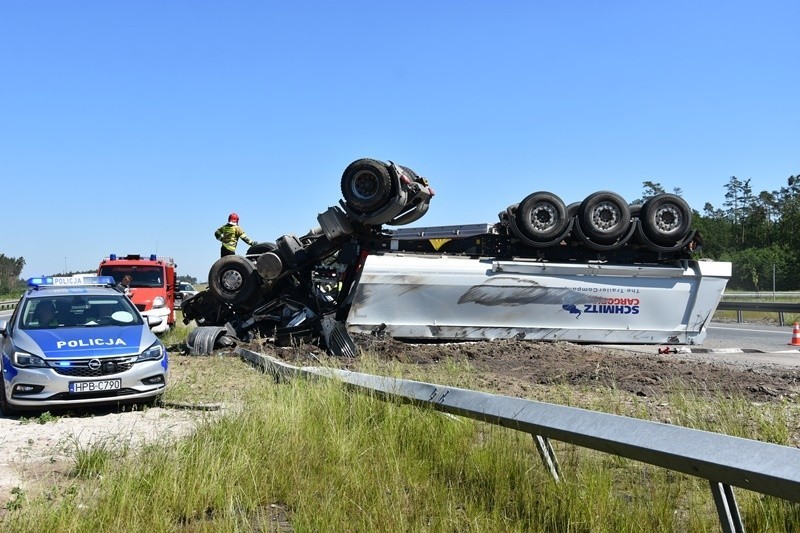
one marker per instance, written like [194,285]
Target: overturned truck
[597,271]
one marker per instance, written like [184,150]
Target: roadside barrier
[766,307]
[9,304]
[723,460]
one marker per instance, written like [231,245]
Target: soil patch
[508,365]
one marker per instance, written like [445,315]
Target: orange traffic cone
[795,335]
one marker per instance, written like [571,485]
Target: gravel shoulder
[36,450]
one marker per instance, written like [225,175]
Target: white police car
[78,341]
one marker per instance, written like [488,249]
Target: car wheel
[4,406]
[542,217]
[604,217]
[366,185]
[666,219]
[232,279]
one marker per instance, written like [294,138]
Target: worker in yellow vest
[229,235]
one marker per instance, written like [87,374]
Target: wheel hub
[605,216]
[365,185]
[231,280]
[668,219]
[543,216]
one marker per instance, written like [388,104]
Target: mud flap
[337,339]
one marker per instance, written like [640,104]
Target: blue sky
[136,127]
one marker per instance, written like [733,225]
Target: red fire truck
[152,287]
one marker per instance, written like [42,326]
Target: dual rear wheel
[603,217]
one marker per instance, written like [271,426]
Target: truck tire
[366,185]
[604,217]
[410,174]
[261,248]
[542,216]
[573,209]
[666,219]
[232,279]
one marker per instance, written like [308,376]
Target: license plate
[95,386]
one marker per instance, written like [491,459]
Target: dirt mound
[509,365]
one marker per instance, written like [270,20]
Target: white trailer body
[449,297]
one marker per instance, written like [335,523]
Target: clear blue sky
[136,127]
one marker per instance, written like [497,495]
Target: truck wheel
[232,279]
[261,248]
[542,216]
[604,217]
[666,219]
[573,209]
[366,185]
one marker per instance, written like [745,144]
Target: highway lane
[749,336]
[746,344]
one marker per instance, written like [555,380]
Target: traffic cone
[795,335]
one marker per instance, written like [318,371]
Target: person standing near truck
[229,235]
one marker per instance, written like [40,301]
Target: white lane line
[753,330]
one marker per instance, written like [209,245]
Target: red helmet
[233,217]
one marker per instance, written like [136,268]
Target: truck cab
[153,284]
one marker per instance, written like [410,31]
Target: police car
[78,341]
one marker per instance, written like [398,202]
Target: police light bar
[64,281]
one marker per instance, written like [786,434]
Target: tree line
[10,270]
[756,232]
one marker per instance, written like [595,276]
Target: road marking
[752,330]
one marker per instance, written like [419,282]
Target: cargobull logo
[607,306]
[85,343]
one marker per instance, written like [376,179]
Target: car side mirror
[153,321]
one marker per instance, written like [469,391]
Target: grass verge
[311,456]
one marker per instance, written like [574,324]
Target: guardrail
[767,307]
[723,460]
[9,304]
[762,294]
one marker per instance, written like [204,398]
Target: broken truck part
[600,271]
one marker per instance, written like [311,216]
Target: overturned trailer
[597,271]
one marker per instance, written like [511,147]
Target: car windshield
[186,287]
[141,276]
[55,311]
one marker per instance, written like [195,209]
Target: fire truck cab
[152,287]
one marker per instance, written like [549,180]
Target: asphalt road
[741,344]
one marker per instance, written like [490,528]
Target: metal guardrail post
[728,510]
[548,456]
